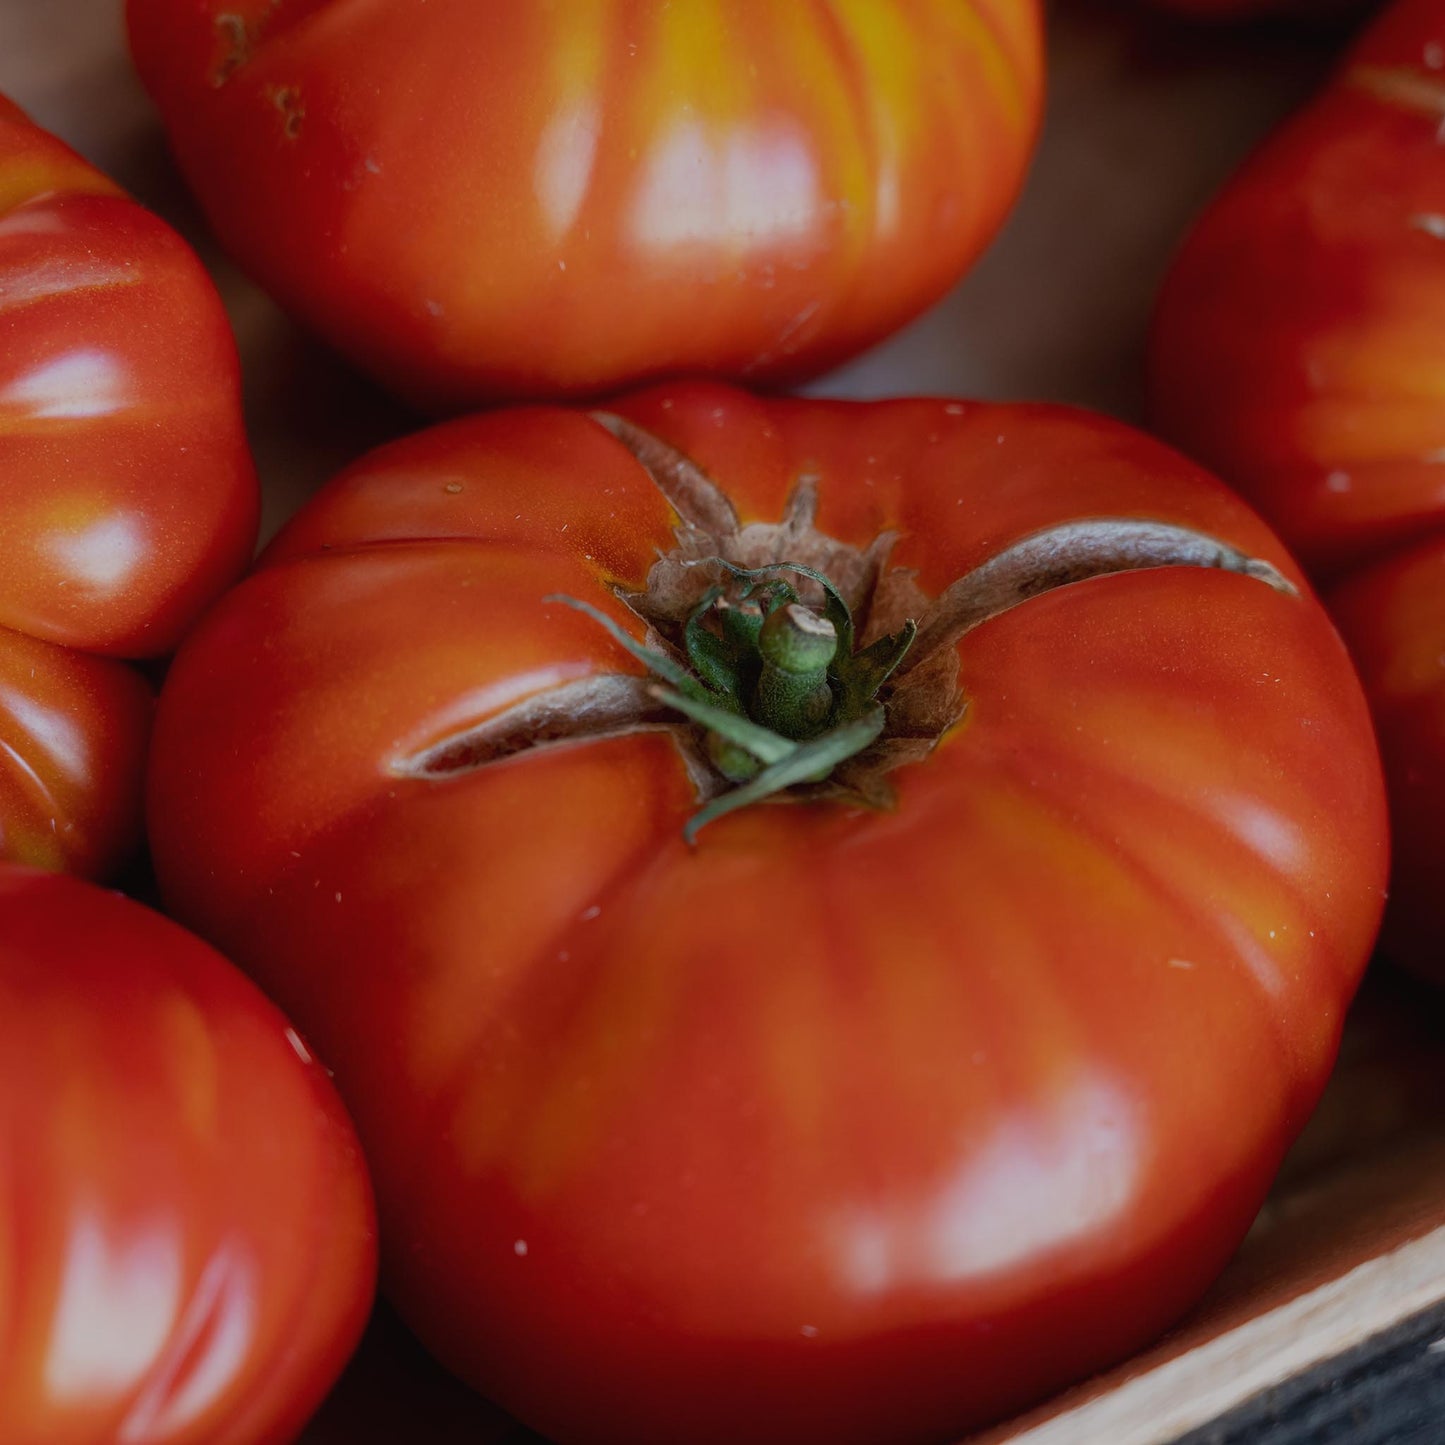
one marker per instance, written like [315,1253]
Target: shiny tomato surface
[1299,344]
[847,1124]
[479,200]
[127,495]
[1393,618]
[188,1238]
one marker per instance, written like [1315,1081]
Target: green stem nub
[731,759]
[793,696]
[741,622]
[797,640]
[781,694]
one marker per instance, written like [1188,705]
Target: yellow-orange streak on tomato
[575,71]
[186,1050]
[34,163]
[748,190]
[1296,344]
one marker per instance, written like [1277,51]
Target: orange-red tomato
[1299,344]
[1393,617]
[127,495]
[849,1124]
[187,1242]
[1300,348]
[476,200]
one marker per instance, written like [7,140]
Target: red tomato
[1299,343]
[189,1244]
[475,200]
[1393,617]
[1298,347]
[127,495]
[849,1124]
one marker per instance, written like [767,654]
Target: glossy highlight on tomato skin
[477,202]
[1296,347]
[128,500]
[845,1125]
[187,1240]
[73,735]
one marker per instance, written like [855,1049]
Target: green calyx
[778,686]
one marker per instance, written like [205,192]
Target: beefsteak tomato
[188,1236]
[530,200]
[886,1106]
[127,494]
[1297,346]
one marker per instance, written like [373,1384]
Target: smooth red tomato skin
[519,200]
[1393,618]
[127,496]
[1297,345]
[188,1234]
[845,1126]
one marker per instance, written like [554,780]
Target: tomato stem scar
[778,687]
[812,678]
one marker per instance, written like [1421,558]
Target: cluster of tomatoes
[825,916]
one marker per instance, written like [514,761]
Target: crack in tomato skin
[235,36]
[718,693]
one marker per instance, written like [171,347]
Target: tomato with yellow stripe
[476,201]
[1297,345]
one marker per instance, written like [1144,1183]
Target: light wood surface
[1146,118]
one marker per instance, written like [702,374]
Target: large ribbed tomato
[1300,348]
[896,1100]
[1299,344]
[187,1242]
[127,495]
[479,199]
